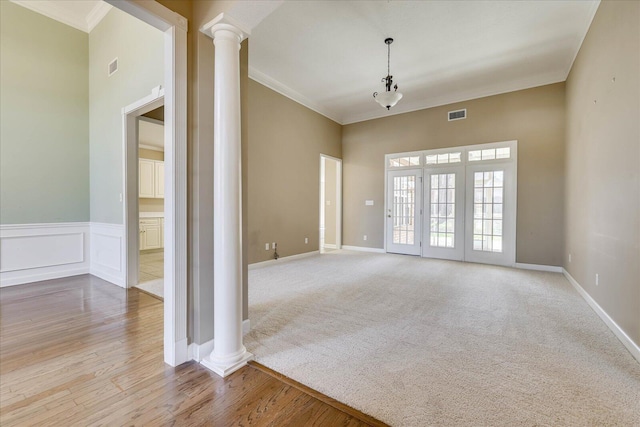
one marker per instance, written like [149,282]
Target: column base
[224,369]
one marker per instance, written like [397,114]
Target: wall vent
[113,67]
[458,114]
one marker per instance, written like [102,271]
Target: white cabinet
[151,179]
[151,233]
[159,181]
[147,171]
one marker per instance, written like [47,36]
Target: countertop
[151,214]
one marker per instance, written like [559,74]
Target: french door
[490,214]
[444,213]
[404,206]
[468,212]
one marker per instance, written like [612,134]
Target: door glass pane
[487,210]
[403,214]
[442,229]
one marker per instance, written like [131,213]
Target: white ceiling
[331,56]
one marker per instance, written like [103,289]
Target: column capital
[225,22]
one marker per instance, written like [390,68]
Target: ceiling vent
[458,114]
[113,67]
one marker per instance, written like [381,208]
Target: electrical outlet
[273,245]
[597,279]
[266,246]
[306,240]
[569,257]
[365,237]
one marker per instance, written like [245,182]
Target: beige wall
[330,217]
[535,117]
[285,143]
[144,153]
[603,163]
[44,119]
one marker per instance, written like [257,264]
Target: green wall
[44,119]
[140,52]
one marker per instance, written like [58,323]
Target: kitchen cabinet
[151,179]
[151,233]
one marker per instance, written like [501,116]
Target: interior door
[404,207]
[490,219]
[444,213]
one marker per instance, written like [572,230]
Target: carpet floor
[416,342]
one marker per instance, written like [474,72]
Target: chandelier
[388,98]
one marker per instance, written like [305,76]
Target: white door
[490,214]
[444,213]
[404,189]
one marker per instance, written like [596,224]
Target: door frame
[174,27]
[464,150]
[130,117]
[338,205]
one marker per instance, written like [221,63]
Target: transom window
[490,154]
[441,159]
[402,162]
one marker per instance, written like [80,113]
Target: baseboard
[329,246]
[107,252]
[622,336]
[198,352]
[43,251]
[364,249]
[178,352]
[283,259]
[539,267]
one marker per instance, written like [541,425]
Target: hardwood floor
[81,351]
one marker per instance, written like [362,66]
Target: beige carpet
[417,342]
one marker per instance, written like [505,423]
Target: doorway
[457,203]
[330,203]
[174,27]
[151,177]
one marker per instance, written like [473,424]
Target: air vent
[457,115]
[113,67]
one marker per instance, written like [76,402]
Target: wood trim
[320,396]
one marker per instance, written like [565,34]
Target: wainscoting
[107,252]
[35,252]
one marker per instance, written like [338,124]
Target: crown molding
[97,13]
[275,85]
[60,13]
[454,98]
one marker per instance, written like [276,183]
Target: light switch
[368,202]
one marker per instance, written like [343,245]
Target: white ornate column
[229,353]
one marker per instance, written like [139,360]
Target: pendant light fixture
[388,98]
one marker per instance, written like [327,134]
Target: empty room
[320,213]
